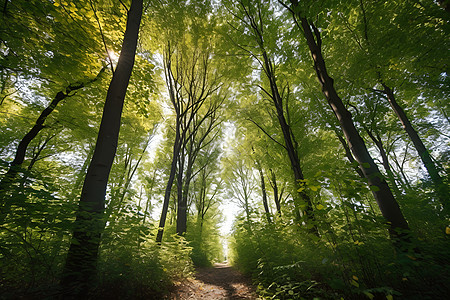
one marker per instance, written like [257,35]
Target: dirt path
[219,282]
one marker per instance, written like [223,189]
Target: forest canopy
[131,129]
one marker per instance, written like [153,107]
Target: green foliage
[205,242]
[282,267]
[34,236]
[286,264]
[138,269]
[176,257]
[127,273]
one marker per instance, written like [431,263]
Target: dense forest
[326,123]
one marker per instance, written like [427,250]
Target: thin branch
[265,132]
[6,96]
[103,36]
[265,92]
[123,4]
[317,34]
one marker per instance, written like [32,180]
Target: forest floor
[218,282]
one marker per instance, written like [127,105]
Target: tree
[380,189]
[383,74]
[241,184]
[194,91]
[252,20]
[82,255]
[231,87]
[189,88]
[203,127]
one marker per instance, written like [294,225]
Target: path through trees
[218,282]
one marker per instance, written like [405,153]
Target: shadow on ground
[218,282]
[231,281]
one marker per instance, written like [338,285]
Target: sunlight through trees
[305,142]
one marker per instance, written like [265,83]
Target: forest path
[218,282]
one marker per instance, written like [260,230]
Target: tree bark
[379,187]
[264,193]
[289,144]
[80,268]
[181,199]
[348,153]
[173,171]
[256,26]
[177,146]
[276,197]
[189,88]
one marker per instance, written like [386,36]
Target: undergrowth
[287,262]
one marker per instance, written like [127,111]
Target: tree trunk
[276,197]
[425,156]
[181,193]
[80,268]
[348,153]
[264,193]
[268,68]
[379,187]
[289,143]
[173,171]
[183,202]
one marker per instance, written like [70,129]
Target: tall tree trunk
[193,144]
[379,187]
[15,166]
[173,171]
[440,186]
[348,152]
[425,156]
[264,192]
[80,268]
[181,200]
[178,143]
[276,197]
[289,145]
[247,211]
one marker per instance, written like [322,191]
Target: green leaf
[314,188]
[354,283]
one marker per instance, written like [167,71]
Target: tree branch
[265,132]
